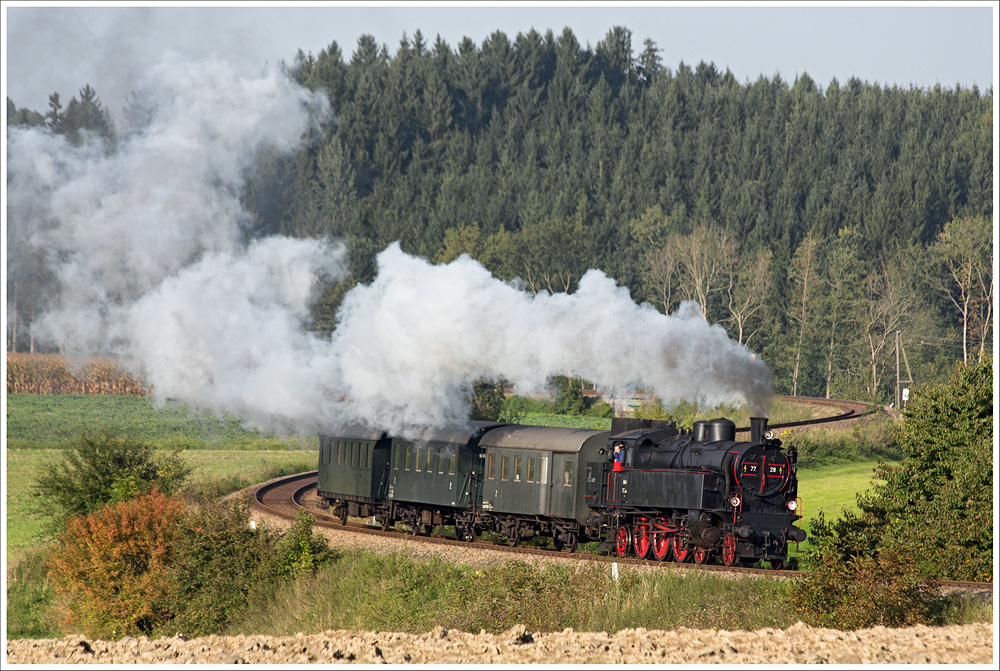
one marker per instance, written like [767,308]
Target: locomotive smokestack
[758,425]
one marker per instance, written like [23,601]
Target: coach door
[563,484]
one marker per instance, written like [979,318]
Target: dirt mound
[799,644]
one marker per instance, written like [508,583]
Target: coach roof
[547,438]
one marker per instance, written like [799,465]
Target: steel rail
[283,498]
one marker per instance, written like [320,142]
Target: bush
[220,563]
[938,502]
[864,591]
[105,466]
[302,551]
[523,405]
[112,569]
[931,518]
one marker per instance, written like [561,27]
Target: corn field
[53,374]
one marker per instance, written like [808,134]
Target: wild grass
[392,592]
[366,591]
[871,438]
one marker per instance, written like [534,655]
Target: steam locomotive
[697,495]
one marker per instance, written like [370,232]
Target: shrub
[105,466]
[523,405]
[302,551]
[938,502]
[864,591]
[220,564]
[112,569]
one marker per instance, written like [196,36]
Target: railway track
[848,411]
[285,497]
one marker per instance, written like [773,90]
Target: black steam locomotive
[691,495]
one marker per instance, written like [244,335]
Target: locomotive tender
[693,495]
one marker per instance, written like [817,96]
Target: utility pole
[909,376]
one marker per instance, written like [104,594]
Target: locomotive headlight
[735,501]
[792,505]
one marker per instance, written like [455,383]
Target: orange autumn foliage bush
[112,570]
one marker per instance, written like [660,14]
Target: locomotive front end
[763,498]
[698,494]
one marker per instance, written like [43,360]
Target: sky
[60,49]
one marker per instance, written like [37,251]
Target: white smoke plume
[146,247]
[407,346]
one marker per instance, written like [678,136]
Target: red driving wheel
[729,550]
[640,538]
[682,551]
[623,540]
[661,541]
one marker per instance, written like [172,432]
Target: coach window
[568,474]
[364,456]
[543,470]
[408,455]
[417,453]
[340,450]
[491,467]
[396,459]
[429,469]
[531,469]
[503,467]
[453,463]
[517,469]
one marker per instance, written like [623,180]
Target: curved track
[285,497]
[849,410]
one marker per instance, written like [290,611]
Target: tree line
[813,223]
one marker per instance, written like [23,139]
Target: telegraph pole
[909,375]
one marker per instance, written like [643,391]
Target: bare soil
[799,644]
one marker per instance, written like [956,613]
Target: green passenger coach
[532,480]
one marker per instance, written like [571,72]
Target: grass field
[48,420]
[831,489]
[215,473]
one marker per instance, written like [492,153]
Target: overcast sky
[62,48]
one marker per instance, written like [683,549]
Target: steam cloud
[421,332]
[146,246]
